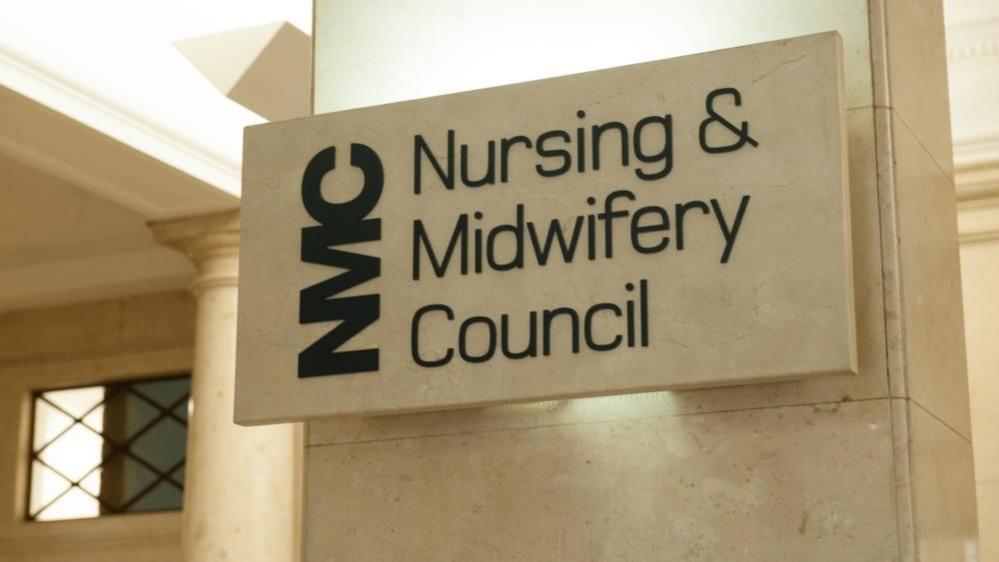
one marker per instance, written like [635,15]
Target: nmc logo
[339,224]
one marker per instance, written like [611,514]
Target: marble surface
[780,484]
[905,491]
[924,323]
[242,494]
[781,308]
[871,382]
[934,351]
[917,48]
[943,489]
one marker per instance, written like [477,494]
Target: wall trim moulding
[973,40]
[21,75]
[978,220]
[67,149]
[976,169]
[131,272]
[973,49]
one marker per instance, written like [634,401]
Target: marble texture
[337,57]
[242,493]
[779,484]
[782,308]
[871,382]
[911,487]
[918,93]
[934,349]
[915,174]
[923,150]
[943,489]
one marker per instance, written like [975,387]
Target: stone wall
[869,468]
[75,345]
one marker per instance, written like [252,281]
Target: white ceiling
[61,243]
[105,125]
[77,223]
[112,65]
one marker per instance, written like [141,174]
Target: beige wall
[980,269]
[90,343]
[868,468]
[973,38]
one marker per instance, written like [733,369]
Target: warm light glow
[76,453]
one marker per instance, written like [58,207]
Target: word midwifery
[672,224]
[344,223]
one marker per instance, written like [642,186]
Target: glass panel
[164,392]
[180,474]
[45,487]
[135,479]
[183,410]
[75,504]
[95,419]
[163,496]
[92,484]
[163,446]
[49,423]
[128,449]
[75,453]
[126,414]
[76,401]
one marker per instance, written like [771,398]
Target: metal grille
[116,448]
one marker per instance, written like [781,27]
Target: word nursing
[611,220]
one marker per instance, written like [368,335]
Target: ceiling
[77,222]
[61,243]
[112,65]
[106,125]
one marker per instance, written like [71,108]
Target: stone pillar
[242,484]
[871,467]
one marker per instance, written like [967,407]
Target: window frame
[123,448]
[18,382]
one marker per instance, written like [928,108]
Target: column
[242,484]
[876,466]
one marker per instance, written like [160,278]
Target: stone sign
[672,224]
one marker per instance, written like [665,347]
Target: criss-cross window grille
[115,448]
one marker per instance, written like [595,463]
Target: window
[116,448]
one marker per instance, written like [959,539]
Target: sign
[679,223]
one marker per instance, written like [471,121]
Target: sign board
[679,223]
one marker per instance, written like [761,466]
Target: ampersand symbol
[742,131]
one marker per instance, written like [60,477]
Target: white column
[242,489]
